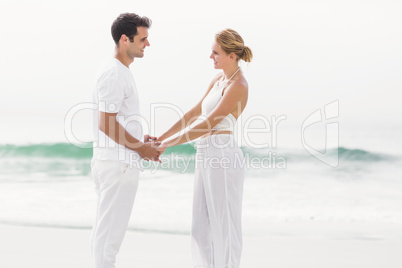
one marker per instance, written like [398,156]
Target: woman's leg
[223,186]
[201,241]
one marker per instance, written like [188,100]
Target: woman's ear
[232,56]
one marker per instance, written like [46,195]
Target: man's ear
[123,38]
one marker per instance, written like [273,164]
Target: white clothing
[115,169]
[116,186]
[218,192]
[115,92]
[210,102]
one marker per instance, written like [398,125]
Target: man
[118,146]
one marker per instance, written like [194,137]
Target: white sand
[310,245]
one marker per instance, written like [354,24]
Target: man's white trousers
[116,186]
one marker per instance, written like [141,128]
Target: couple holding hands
[119,146]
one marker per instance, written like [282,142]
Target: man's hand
[155,143]
[148,151]
[148,138]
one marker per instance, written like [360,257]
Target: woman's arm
[188,117]
[183,122]
[236,93]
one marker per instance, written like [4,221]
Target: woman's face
[220,58]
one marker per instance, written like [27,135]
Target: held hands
[162,146]
[148,138]
[152,149]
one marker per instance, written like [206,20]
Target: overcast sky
[307,54]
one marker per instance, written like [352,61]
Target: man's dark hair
[127,24]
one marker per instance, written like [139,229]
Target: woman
[216,229]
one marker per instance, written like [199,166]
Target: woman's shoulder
[237,87]
[240,83]
[215,79]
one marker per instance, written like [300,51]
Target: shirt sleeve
[110,94]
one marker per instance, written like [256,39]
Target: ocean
[51,185]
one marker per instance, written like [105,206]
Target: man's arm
[109,125]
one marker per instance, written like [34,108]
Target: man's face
[136,49]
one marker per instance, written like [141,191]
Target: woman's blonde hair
[232,42]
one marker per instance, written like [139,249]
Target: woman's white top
[211,101]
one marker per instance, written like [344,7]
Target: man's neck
[123,58]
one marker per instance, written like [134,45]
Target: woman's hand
[161,148]
[148,138]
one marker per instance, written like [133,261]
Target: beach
[320,134]
[312,245]
[304,215]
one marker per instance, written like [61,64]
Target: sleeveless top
[210,102]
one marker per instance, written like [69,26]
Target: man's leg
[116,185]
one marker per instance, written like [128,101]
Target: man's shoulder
[109,66]
[107,70]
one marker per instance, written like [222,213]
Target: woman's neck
[230,72]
